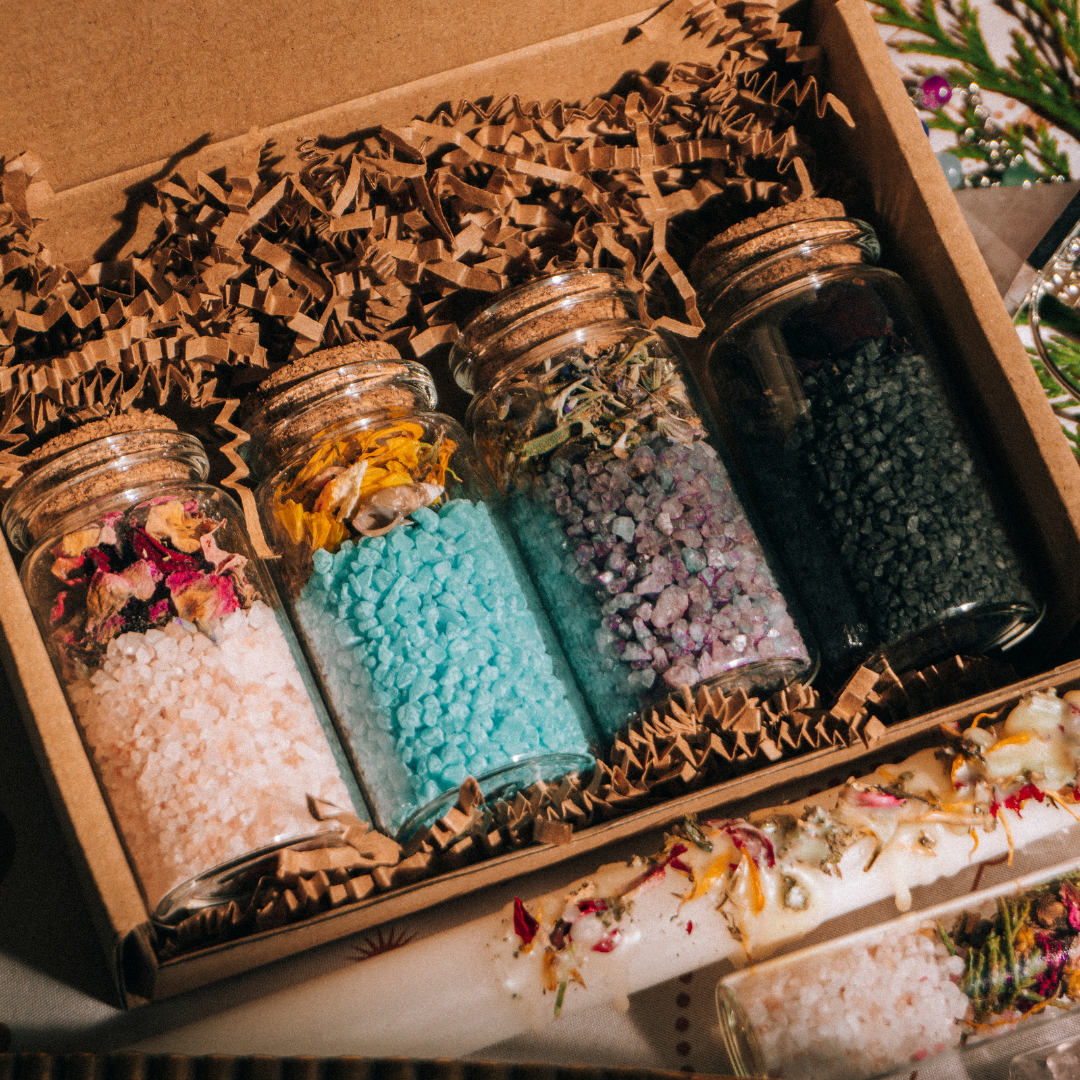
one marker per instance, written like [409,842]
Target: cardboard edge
[858,31]
[116,905]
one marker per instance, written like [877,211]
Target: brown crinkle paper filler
[401,235]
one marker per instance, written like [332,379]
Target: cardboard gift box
[398,73]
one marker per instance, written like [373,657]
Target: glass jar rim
[571,288]
[742,276]
[81,465]
[281,423]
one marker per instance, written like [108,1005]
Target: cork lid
[519,321]
[100,458]
[130,421]
[357,352]
[774,247]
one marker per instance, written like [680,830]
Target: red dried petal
[747,838]
[592,907]
[165,559]
[200,596]
[609,941]
[525,926]
[58,607]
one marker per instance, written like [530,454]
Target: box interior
[100,217]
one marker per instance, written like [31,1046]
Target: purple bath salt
[651,572]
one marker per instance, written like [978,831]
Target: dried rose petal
[675,862]
[200,597]
[1070,897]
[143,577]
[169,521]
[609,942]
[872,799]
[112,626]
[75,543]
[64,564]
[746,838]
[99,558]
[159,610]
[525,926]
[222,561]
[592,907]
[58,608]
[107,595]
[166,561]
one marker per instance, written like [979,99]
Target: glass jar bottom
[971,629]
[502,783]
[233,880]
[760,679]
[736,1031]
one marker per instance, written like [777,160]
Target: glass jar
[638,543]
[886,999]
[186,682]
[434,654]
[843,422]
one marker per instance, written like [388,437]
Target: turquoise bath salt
[433,653]
[437,667]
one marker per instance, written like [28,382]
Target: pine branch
[1045,76]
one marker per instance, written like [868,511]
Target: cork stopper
[131,421]
[100,458]
[357,352]
[773,248]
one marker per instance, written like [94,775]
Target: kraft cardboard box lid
[97,90]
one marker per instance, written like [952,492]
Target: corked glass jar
[640,546]
[188,687]
[435,656]
[843,421]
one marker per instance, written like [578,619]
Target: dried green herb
[610,396]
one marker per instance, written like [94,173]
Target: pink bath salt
[206,750]
[201,596]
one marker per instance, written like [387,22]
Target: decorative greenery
[1043,72]
[1015,145]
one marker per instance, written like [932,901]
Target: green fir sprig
[1044,70]
[1041,73]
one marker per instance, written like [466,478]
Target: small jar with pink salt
[640,547]
[184,679]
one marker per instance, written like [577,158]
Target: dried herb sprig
[1020,960]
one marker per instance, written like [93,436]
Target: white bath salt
[857,1011]
[205,751]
